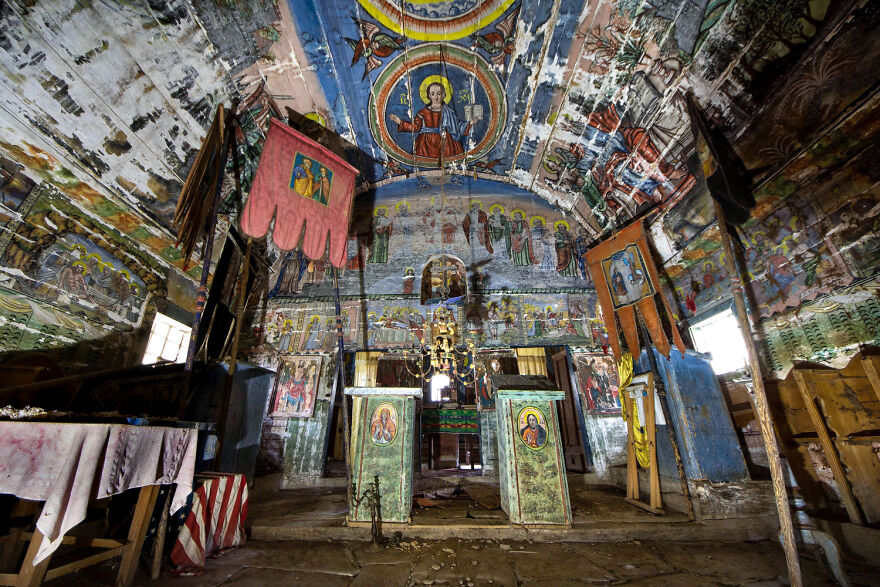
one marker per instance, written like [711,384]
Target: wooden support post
[230,378]
[655,497]
[159,546]
[137,532]
[632,465]
[762,409]
[664,406]
[31,574]
[207,253]
[340,381]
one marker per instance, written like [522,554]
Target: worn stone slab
[261,577]
[331,558]
[676,580]
[734,563]
[624,560]
[382,575]
[367,554]
[554,563]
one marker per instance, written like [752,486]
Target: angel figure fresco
[439,131]
[499,43]
[372,45]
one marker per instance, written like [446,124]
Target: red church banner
[624,275]
[306,184]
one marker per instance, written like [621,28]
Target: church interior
[441,292]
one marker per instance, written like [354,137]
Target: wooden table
[129,549]
[65,466]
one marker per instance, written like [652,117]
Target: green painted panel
[382,445]
[304,446]
[533,480]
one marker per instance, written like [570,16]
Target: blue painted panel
[708,443]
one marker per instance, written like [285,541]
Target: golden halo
[438,79]
[286,322]
[400,205]
[79,264]
[563,223]
[520,210]
[708,264]
[313,318]
[376,213]
[316,117]
[125,272]
[477,202]
[96,256]
[537,217]
[494,207]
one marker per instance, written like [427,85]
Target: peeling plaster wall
[607,438]
[102,108]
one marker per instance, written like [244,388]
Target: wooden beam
[872,370]
[831,454]
[31,574]
[86,562]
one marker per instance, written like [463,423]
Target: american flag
[215,522]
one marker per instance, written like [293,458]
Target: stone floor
[488,562]
[610,543]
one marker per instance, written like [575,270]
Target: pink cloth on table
[66,464]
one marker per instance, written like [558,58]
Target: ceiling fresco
[581,103]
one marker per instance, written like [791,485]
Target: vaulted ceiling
[579,102]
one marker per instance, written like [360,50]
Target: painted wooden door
[569,421]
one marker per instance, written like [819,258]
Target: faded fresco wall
[811,249]
[102,108]
[291,445]
[72,284]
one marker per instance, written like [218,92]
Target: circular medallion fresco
[532,428]
[435,20]
[437,103]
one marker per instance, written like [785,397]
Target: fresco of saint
[383,426]
[533,434]
[440,133]
[476,227]
[520,239]
[382,227]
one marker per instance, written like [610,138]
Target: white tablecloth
[67,464]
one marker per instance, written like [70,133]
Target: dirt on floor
[488,562]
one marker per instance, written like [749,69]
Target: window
[720,337]
[439,384]
[169,340]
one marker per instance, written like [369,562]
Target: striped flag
[215,522]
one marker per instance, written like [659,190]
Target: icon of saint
[440,132]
